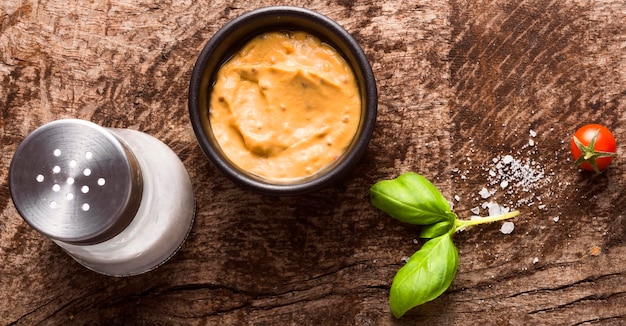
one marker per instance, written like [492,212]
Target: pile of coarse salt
[519,179]
[524,175]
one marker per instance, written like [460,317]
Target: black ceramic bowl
[229,40]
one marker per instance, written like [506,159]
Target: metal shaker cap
[74,181]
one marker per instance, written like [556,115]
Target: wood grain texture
[461,85]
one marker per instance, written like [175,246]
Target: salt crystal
[531,143]
[507,227]
[536,260]
[495,160]
[504,184]
[405,259]
[507,159]
[415,241]
[556,219]
[457,198]
[495,209]
[492,173]
[484,193]
[533,133]
[475,210]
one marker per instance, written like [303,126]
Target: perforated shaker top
[74,181]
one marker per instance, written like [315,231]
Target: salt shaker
[119,201]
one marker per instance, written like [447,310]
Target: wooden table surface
[461,85]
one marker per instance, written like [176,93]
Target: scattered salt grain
[504,184]
[507,227]
[531,143]
[532,133]
[556,219]
[507,159]
[405,259]
[484,193]
[475,210]
[495,209]
[457,198]
[536,260]
[415,241]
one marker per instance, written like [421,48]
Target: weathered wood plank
[461,83]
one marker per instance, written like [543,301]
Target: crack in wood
[591,297]
[590,279]
[619,318]
[33,311]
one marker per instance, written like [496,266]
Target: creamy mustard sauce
[285,106]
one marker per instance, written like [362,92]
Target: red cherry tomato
[593,147]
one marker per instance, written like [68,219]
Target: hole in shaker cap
[101,182]
[56,169]
[69,196]
[84,189]
[53,204]
[40,178]
[85,207]
[88,155]
[56,188]
[73,163]
[56,152]
[70,181]
[87,172]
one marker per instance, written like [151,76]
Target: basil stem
[427,274]
[462,224]
[411,198]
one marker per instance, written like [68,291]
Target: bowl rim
[360,64]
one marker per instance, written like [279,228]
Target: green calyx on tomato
[413,199]
[593,147]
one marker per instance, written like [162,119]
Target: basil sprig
[413,199]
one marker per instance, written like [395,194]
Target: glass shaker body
[152,196]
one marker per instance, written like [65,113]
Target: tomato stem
[589,154]
[461,224]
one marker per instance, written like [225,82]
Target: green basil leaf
[427,274]
[435,230]
[411,198]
